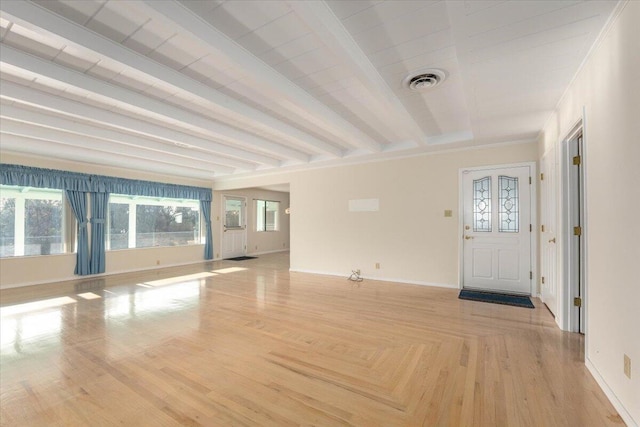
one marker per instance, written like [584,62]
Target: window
[267,215]
[31,221]
[118,226]
[140,222]
[233,213]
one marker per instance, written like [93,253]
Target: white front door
[234,226]
[497,229]
[549,262]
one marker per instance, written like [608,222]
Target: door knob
[552,240]
[468,237]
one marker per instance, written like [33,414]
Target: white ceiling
[220,89]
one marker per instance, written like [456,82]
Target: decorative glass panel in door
[482,204]
[508,214]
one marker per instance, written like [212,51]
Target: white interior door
[548,220]
[497,229]
[234,226]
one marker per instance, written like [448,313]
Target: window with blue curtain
[96,189]
[139,222]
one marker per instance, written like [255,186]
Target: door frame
[570,320]
[547,216]
[533,195]
[223,215]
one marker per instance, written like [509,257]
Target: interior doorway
[574,230]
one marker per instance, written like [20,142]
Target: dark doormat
[496,298]
[240,258]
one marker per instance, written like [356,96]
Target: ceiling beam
[260,76]
[82,142]
[172,114]
[40,19]
[70,126]
[379,98]
[29,146]
[30,96]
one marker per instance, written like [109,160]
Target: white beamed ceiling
[222,89]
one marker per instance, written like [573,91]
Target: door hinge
[577,301]
[542,228]
[529,180]
[542,280]
[530,228]
[530,275]
[541,177]
[577,231]
[577,160]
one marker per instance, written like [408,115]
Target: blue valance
[27,176]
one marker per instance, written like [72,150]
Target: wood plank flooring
[249,343]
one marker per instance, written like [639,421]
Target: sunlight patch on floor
[177,279]
[229,270]
[89,295]
[12,310]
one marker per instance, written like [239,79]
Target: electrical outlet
[627,366]
[377,266]
[357,271]
[157,262]
[448,213]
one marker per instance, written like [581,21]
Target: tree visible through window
[267,215]
[140,222]
[7,226]
[165,226]
[118,226]
[43,227]
[31,221]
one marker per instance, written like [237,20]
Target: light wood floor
[262,346]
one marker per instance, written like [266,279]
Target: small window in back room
[267,215]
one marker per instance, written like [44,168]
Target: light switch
[448,212]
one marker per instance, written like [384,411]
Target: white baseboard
[381,279]
[624,414]
[44,282]
[256,253]
[267,252]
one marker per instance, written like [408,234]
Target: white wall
[608,88]
[409,236]
[257,242]
[30,270]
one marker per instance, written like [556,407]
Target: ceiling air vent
[424,80]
